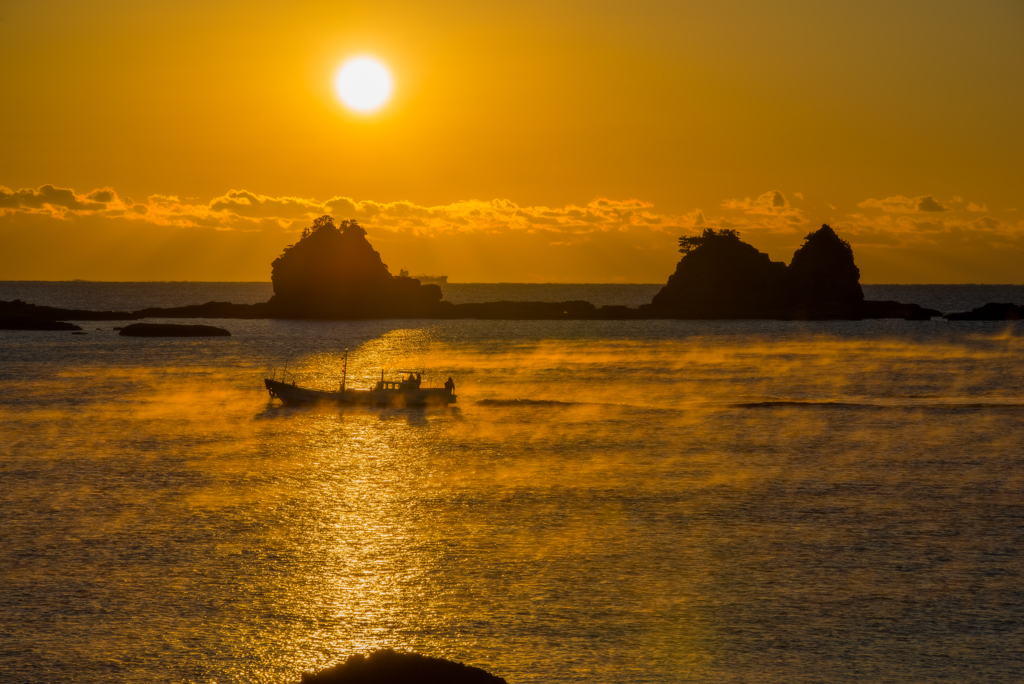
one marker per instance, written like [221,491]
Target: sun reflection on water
[707,508]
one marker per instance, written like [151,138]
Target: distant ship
[425,279]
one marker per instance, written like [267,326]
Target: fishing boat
[406,391]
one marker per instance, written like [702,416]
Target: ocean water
[134,296]
[610,501]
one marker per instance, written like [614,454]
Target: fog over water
[691,502]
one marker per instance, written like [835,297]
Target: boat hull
[293,395]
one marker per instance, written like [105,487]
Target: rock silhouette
[17,313]
[334,272]
[389,667]
[720,276]
[822,272]
[992,311]
[23,323]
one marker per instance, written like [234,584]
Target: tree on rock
[720,276]
[822,271]
[334,272]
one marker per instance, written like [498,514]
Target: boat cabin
[410,380]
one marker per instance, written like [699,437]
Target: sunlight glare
[363,84]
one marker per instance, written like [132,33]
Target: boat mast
[344,371]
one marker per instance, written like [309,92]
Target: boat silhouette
[403,392]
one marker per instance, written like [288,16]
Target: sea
[608,501]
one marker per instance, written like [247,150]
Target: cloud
[251,205]
[906,231]
[771,211]
[49,198]
[929,204]
[767,219]
[102,195]
[491,239]
[906,205]
[772,202]
[246,210]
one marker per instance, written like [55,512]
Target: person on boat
[450,385]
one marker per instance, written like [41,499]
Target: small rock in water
[390,667]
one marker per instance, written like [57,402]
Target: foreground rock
[990,312]
[722,277]
[389,667]
[172,330]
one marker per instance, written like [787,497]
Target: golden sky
[525,141]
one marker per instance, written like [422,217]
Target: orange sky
[526,141]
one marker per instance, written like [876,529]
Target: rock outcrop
[334,272]
[390,667]
[722,277]
[17,309]
[22,323]
[992,311]
[823,273]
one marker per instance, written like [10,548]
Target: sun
[363,84]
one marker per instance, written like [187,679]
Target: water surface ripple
[670,501]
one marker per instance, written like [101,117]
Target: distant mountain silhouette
[720,276]
[334,272]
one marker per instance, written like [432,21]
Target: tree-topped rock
[334,272]
[720,276]
[822,271]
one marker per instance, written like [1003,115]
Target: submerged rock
[390,667]
[172,330]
